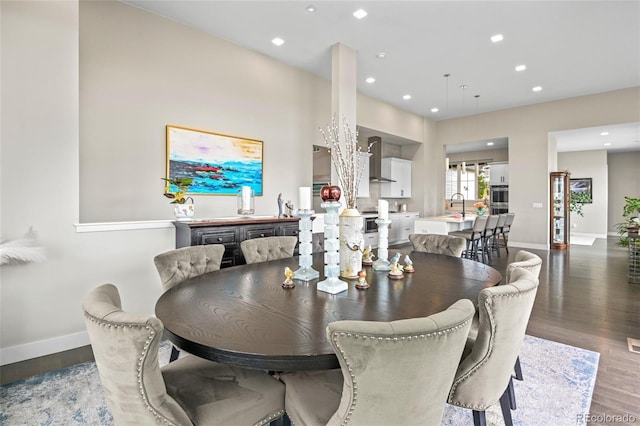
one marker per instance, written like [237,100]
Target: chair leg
[506,242]
[518,370]
[506,408]
[479,418]
[175,352]
[512,394]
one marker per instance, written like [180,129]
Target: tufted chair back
[399,370]
[525,260]
[125,346]
[181,264]
[268,248]
[484,374]
[439,244]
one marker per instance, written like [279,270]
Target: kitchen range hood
[375,161]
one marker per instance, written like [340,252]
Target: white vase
[351,223]
[184,211]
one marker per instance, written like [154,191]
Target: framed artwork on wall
[219,164]
[582,186]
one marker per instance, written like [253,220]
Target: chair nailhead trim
[488,302]
[143,356]
[336,334]
[269,418]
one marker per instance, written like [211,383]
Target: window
[472,181]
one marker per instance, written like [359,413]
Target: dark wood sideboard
[231,232]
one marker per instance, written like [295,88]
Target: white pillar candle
[246,198]
[304,198]
[383,209]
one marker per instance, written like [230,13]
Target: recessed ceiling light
[496,38]
[406,97]
[607,144]
[360,13]
[277,41]
[537,88]
[311,8]
[370,80]
[380,55]
[489,143]
[604,133]
[521,68]
[434,110]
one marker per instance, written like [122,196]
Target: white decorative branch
[22,250]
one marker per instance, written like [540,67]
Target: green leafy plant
[182,184]
[630,213]
[576,201]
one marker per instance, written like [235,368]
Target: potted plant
[576,201]
[182,210]
[631,223]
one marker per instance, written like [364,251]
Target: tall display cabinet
[559,214]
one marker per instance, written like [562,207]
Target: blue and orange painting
[218,164]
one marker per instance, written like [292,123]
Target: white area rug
[557,389]
[581,241]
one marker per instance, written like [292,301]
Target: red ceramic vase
[330,193]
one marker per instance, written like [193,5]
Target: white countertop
[450,219]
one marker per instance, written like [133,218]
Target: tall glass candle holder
[382,263]
[331,284]
[246,201]
[305,260]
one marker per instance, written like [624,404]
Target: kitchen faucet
[462,196]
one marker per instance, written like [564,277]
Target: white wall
[589,164]
[624,179]
[531,149]
[51,135]
[86,92]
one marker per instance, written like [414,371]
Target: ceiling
[570,48]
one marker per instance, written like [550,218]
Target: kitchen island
[443,224]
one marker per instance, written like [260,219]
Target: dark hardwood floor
[584,300]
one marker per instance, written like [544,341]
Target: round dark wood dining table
[242,315]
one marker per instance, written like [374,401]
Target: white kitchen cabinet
[370,239]
[499,174]
[399,170]
[401,226]
[363,185]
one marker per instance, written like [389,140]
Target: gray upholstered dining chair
[188,391]
[395,372]
[268,248]
[439,244]
[526,260]
[532,263]
[177,265]
[485,373]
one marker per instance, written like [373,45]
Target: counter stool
[488,235]
[474,238]
[505,230]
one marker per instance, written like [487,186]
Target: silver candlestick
[305,260]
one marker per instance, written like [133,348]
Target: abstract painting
[219,164]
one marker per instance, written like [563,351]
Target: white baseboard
[43,347]
[528,245]
[583,234]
